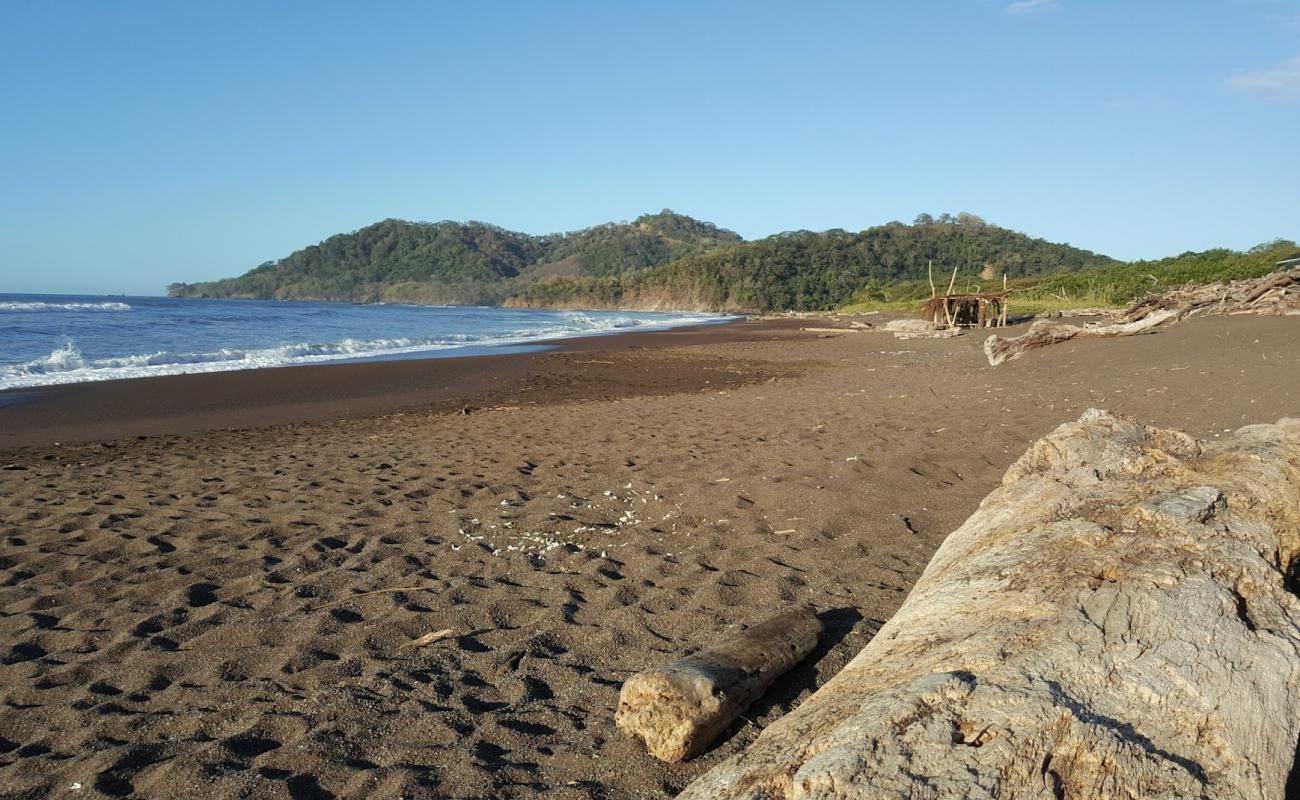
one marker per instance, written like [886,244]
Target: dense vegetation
[1117,284]
[452,262]
[803,270]
[670,261]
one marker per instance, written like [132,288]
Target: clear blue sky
[142,143]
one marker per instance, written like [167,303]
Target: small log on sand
[1045,332]
[1118,620]
[680,709]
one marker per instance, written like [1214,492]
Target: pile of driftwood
[1119,620]
[1274,294]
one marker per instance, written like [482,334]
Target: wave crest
[37,306]
[67,364]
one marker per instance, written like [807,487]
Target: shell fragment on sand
[680,709]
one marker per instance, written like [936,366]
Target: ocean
[58,339]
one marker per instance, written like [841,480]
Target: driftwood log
[1044,332]
[680,709]
[1118,620]
[919,329]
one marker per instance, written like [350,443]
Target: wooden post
[933,293]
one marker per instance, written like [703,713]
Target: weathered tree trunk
[680,709]
[1118,620]
[1045,332]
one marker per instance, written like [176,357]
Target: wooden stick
[933,292]
[952,282]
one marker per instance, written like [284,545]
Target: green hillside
[453,262]
[811,271]
[1114,285]
[671,261]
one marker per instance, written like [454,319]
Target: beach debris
[1117,619]
[1094,311]
[919,329]
[835,330]
[679,710]
[431,637]
[1275,294]
[1044,332]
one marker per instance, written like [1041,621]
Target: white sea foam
[67,364]
[32,307]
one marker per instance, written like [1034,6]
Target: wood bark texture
[679,710]
[1117,620]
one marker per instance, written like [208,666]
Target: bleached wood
[680,709]
[1044,332]
[1113,622]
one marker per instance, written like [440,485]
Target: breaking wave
[33,307]
[67,364]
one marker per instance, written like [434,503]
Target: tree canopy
[662,260]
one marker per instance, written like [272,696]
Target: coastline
[235,612]
[254,398]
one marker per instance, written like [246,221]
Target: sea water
[55,339]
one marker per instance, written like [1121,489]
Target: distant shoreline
[53,340]
[258,397]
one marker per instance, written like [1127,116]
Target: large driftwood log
[1045,332]
[680,709]
[1118,620]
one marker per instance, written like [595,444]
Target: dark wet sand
[185,614]
[262,397]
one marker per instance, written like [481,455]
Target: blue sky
[142,143]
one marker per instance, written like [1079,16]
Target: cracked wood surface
[1117,620]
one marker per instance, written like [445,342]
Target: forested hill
[454,262]
[811,271]
[663,261]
